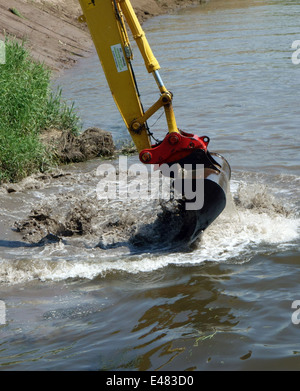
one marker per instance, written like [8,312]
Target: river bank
[52,31]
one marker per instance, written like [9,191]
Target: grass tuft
[28,106]
[16,12]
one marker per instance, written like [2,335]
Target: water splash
[90,240]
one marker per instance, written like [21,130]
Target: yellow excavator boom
[112,45]
[106,22]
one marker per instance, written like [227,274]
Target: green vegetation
[16,12]
[128,148]
[28,107]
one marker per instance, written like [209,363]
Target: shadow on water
[48,239]
[14,244]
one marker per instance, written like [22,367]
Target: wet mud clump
[67,216]
[67,147]
[45,221]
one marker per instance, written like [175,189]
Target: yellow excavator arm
[106,25]
[106,22]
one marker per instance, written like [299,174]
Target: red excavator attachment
[190,152]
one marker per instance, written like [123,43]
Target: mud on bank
[68,148]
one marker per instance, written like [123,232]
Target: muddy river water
[98,293]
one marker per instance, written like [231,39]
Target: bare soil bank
[52,31]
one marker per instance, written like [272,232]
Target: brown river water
[108,289]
